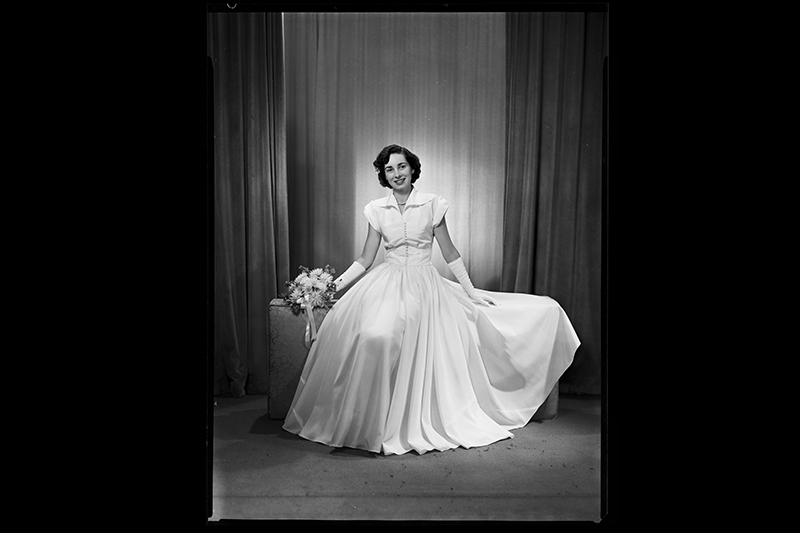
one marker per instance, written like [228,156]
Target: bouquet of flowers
[310,289]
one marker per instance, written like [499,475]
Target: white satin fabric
[405,360]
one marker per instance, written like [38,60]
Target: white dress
[405,360]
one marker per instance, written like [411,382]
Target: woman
[408,360]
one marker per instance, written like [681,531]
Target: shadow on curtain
[251,255]
[553,197]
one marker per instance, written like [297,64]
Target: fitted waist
[408,256]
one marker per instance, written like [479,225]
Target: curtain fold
[433,82]
[553,175]
[250,193]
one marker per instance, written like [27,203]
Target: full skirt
[405,360]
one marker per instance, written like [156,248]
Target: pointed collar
[415,198]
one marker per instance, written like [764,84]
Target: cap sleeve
[440,206]
[372,217]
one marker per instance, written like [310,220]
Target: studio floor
[549,471]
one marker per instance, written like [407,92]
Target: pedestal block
[287,355]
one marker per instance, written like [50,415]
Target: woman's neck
[402,199]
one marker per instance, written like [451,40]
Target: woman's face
[398,173]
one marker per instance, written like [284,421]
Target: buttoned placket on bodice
[405,223]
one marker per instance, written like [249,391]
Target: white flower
[317,272]
[316,299]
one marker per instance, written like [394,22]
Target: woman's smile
[398,172]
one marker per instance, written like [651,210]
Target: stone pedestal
[287,356]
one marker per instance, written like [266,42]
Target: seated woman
[408,360]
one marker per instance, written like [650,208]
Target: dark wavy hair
[383,158]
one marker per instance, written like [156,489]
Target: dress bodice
[407,236]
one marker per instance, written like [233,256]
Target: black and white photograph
[407,266]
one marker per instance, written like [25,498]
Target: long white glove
[349,275]
[460,271]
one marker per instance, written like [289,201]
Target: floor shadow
[264,425]
[353,452]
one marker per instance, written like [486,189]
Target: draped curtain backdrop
[553,197]
[251,257]
[432,82]
[504,111]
